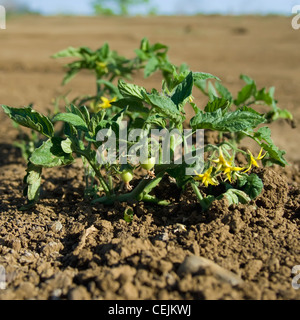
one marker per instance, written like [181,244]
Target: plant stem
[97,171]
[197,192]
[140,193]
[152,199]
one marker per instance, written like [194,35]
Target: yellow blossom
[222,162]
[206,178]
[228,171]
[226,166]
[253,160]
[106,103]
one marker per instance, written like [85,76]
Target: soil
[67,249]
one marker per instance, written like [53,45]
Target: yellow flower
[253,161]
[102,67]
[106,103]
[206,178]
[226,166]
[222,162]
[228,171]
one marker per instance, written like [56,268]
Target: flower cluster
[227,168]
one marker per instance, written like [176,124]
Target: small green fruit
[148,164]
[127,175]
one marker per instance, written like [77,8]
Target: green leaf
[246,78]
[109,85]
[33,183]
[131,90]
[165,106]
[85,112]
[263,137]
[30,118]
[69,52]
[72,119]
[66,146]
[264,96]
[128,214]
[279,114]
[235,121]
[151,67]
[224,92]
[235,196]
[50,154]
[217,103]
[183,90]
[132,104]
[211,91]
[251,184]
[70,74]
[157,120]
[248,91]
[203,76]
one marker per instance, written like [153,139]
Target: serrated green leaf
[235,121]
[157,120]
[30,118]
[50,154]
[164,105]
[217,103]
[72,119]
[131,90]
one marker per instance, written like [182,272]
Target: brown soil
[67,249]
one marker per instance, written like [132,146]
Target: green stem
[152,199]
[97,171]
[204,202]
[139,193]
[197,192]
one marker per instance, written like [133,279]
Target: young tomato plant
[107,66]
[163,113]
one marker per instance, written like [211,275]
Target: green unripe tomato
[149,164]
[127,175]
